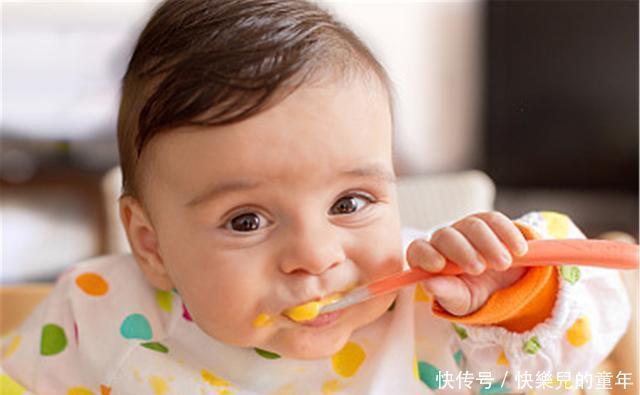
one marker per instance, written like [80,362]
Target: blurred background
[540,95]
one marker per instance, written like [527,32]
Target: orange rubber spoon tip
[597,253]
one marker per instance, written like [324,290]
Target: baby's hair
[217,62]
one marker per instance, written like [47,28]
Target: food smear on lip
[262,320]
[309,311]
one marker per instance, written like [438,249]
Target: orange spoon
[600,253]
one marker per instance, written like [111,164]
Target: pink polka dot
[185,313]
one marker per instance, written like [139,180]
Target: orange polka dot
[79,391]
[104,390]
[92,284]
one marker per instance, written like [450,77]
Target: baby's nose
[309,254]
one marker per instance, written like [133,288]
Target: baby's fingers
[451,292]
[506,231]
[451,244]
[485,241]
[422,254]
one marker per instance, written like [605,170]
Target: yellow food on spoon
[305,312]
[310,310]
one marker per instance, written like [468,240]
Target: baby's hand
[482,245]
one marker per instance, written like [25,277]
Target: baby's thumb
[451,293]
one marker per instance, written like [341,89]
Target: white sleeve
[43,352]
[72,342]
[590,315]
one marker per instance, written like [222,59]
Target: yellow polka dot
[79,391]
[330,387]
[421,294]
[164,300]
[580,332]
[158,385]
[502,359]
[12,346]
[213,379]
[557,224]
[347,361]
[92,284]
[9,387]
[262,320]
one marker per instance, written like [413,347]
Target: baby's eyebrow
[219,189]
[373,170]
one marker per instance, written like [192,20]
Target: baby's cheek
[226,313]
[375,264]
[378,250]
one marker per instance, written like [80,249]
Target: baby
[255,142]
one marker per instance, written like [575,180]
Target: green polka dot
[531,346]
[266,354]
[571,274]
[458,357]
[462,333]
[428,374]
[155,346]
[164,300]
[53,340]
[495,388]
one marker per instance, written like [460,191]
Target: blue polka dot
[136,326]
[429,374]
[458,357]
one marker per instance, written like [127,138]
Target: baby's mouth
[305,314]
[309,312]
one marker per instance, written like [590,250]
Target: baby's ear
[144,242]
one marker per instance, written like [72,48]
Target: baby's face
[292,205]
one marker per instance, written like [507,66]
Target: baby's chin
[306,345]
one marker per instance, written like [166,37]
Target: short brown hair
[216,62]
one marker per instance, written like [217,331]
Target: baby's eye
[247,222]
[350,204]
